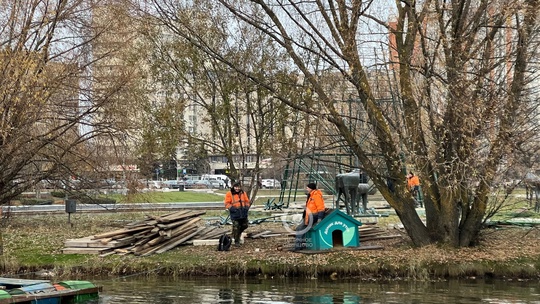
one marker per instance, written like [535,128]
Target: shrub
[77,195]
[97,200]
[59,194]
[35,201]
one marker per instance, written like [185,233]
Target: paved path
[112,207]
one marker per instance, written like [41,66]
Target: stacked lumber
[156,234]
[269,233]
[371,233]
[366,233]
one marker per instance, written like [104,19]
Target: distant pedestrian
[413,183]
[390,184]
[238,204]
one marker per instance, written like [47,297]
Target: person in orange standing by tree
[314,210]
[237,203]
[413,183]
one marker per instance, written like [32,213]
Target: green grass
[32,243]
[188,196]
[167,197]
[515,205]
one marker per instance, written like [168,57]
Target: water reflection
[162,290]
[230,296]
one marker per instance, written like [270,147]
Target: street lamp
[176,168]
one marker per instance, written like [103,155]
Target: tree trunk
[412,223]
[446,228]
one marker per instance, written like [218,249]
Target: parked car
[171,184]
[154,184]
[270,184]
[219,181]
[188,183]
[202,184]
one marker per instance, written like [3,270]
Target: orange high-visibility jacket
[413,181]
[314,204]
[238,204]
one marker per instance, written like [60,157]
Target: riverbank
[33,244]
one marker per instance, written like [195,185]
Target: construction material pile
[152,235]
[158,234]
[372,233]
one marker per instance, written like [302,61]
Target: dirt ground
[507,251]
[516,248]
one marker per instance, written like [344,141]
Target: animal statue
[532,190]
[353,186]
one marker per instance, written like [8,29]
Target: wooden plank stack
[152,235]
[269,233]
[371,233]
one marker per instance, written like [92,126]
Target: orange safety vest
[413,181]
[238,204]
[314,204]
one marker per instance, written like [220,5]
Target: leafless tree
[55,99]
[458,71]
[241,121]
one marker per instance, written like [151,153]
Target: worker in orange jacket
[238,204]
[413,183]
[313,213]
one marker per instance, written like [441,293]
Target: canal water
[222,290]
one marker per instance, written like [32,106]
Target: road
[112,207]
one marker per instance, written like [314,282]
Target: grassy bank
[190,196]
[199,195]
[171,196]
[34,243]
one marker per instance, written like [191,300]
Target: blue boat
[44,292]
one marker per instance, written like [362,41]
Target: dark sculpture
[353,186]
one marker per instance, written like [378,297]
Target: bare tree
[459,70]
[54,103]
[242,122]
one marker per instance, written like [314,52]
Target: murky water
[205,290]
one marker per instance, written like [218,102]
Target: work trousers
[239,226]
[299,240]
